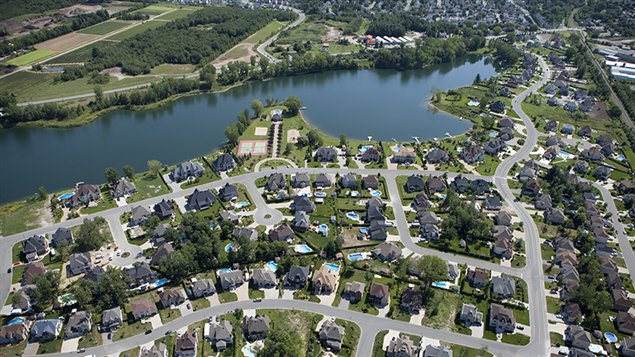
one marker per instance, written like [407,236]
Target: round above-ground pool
[229,247]
[610,337]
[352,215]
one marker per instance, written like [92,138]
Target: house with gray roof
[402,347]
[32,271]
[172,297]
[229,216]
[494,146]
[348,180]
[501,319]
[543,201]
[231,280]
[35,247]
[223,163]
[256,327]
[95,273]
[300,221]
[79,324]
[202,287]
[602,173]
[427,217]
[585,131]
[460,184]
[437,155]
[411,300]
[377,231]
[124,187]
[61,237]
[138,216]
[80,263]
[415,183]
[493,203]
[505,134]
[13,334]
[331,335]
[387,252]
[430,232]
[503,288]
[164,209]
[554,216]
[111,319]
[322,180]
[221,335]
[186,169]
[593,154]
[186,345]
[276,182]
[246,233]
[84,194]
[470,316]
[503,248]
[436,184]
[165,250]
[370,182]
[264,279]
[46,330]
[404,155]
[567,129]
[326,154]
[302,203]
[370,155]
[282,232]
[503,218]
[379,294]
[200,200]
[297,277]
[421,202]
[158,350]
[576,336]
[437,351]
[143,308]
[141,274]
[300,180]
[21,302]
[228,192]
[353,291]
[375,214]
[473,153]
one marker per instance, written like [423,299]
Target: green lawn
[154,9]
[553,305]
[14,350]
[522,316]
[148,25]
[30,57]
[176,14]
[173,69]
[556,339]
[200,304]
[515,339]
[147,186]
[91,340]
[442,310]
[53,346]
[464,351]
[227,296]
[82,54]
[127,330]
[351,337]
[106,202]
[307,31]
[104,27]
[377,345]
[32,86]
[256,294]
[20,216]
[133,352]
[168,315]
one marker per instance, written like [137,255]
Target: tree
[111,289]
[282,342]
[46,289]
[342,140]
[257,107]
[232,135]
[41,193]
[477,79]
[293,105]
[128,170]
[90,235]
[99,94]
[488,121]
[111,176]
[314,138]
[614,111]
[430,268]
[155,167]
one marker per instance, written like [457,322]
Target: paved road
[262,49]
[85,95]
[368,323]
[625,244]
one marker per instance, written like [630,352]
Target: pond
[384,104]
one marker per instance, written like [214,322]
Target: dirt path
[242,52]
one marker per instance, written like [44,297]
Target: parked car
[257,300]
[81,350]
[148,332]
[168,332]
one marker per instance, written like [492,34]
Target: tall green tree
[293,105]
[128,170]
[112,176]
[154,166]
[90,235]
[257,107]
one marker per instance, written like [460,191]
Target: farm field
[81,54]
[30,57]
[174,69]
[154,10]
[30,86]
[148,25]
[176,14]
[66,42]
[104,27]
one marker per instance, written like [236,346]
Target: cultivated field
[30,57]
[154,10]
[104,27]
[148,25]
[82,54]
[176,14]
[66,42]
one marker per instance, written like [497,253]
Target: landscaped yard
[53,346]
[148,186]
[91,340]
[553,305]
[168,315]
[127,330]
[106,202]
[515,339]
[200,304]
[227,296]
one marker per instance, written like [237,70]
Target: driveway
[70,345]
[213,300]
[243,292]
[31,349]
[287,294]
[272,293]
[183,308]
[155,321]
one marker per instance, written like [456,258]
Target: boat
[302,108]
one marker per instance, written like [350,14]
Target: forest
[13,8]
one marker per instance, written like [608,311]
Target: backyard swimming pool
[352,215]
[242,204]
[224,270]
[354,193]
[159,283]
[66,196]
[324,229]
[303,248]
[15,320]
[441,284]
[333,267]
[363,230]
[365,148]
[357,256]
[375,193]
[610,337]
[248,352]
[565,155]
[229,247]
[320,194]
[473,103]
[272,266]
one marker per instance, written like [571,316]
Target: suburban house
[436,184]
[554,216]
[84,194]
[387,252]
[13,334]
[506,122]
[324,281]
[46,330]
[370,155]
[143,308]
[21,302]
[186,169]
[354,291]
[228,192]
[478,277]
[430,232]
[256,327]
[331,335]
[245,233]
[593,154]
[186,345]
[421,202]
[415,183]
[437,351]
[402,347]
[576,336]
[264,279]
[302,203]
[411,300]
[427,217]
[627,349]
[581,167]
[231,280]
[35,247]
[375,202]
[300,180]
[123,188]
[32,271]
[470,316]
[503,218]
[437,155]
[497,107]
[322,180]
[625,322]
[80,263]
[79,324]
[585,131]
[172,297]
[379,294]
[158,350]
[61,237]
[325,154]
[503,248]
[621,302]
[223,163]
[202,287]
[111,319]
[139,215]
[551,126]
[348,181]
[297,277]
[567,129]
[530,188]
[377,231]
[370,182]
[228,216]
[501,319]
[566,258]
[460,184]
[282,233]
[276,182]
[164,251]
[493,203]
[543,201]
[602,173]
[404,155]
[473,154]
[220,334]
[200,200]
[141,274]
[503,288]
[494,146]
[571,313]
[375,214]
[164,209]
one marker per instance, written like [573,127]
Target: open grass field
[19,216]
[307,31]
[30,57]
[148,25]
[66,42]
[82,54]
[176,14]
[104,27]
[154,10]
[30,86]
[173,69]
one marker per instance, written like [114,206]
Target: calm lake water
[385,104]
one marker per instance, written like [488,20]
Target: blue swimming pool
[224,270]
[363,230]
[303,248]
[229,247]
[333,267]
[354,193]
[66,196]
[242,204]
[395,148]
[492,134]
[352,215]
[364,148]
[375,193]
[324,229]
[473,103]
[355,257]
[320,194]
[15,320]
[307,194]
[159,283]
[610,337]
[272,266]
[248,352]
[441,284]
[565,155]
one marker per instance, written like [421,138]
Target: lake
[384,104]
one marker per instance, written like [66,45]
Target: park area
[252,147]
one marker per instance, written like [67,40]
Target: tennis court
[253,147]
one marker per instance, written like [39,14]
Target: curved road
[262,49]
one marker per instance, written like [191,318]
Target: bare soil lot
[66,42]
